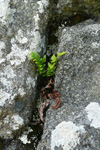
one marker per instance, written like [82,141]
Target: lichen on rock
[93,114]
[21,31]
[66,135]
[78,81]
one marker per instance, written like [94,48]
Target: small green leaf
[49,64]
[44,58]
[41,63]
[60,54]
[53,58]
[35,56]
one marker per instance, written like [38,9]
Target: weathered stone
[22,29]
[86,8]
[76,124]
[15,145]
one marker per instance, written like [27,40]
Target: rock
[22,29]
[15,145]
[76,124]
[77,8]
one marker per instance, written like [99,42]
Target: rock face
[86,8]
[76,125]
[23,27]
[21,30]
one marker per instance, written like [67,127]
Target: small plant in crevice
[47,69]
[48,92]
[44,68]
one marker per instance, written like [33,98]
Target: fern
[41,63]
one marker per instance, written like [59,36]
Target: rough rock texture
[22,29]
[15,145]
[69,8]
[76,125]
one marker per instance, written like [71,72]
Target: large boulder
[76,124]
[22,29]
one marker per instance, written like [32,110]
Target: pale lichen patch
[25,1]
[4,10]
[6,82]
[30,82]
[16,121]
[21,92]
[9,72]
[36,41]
[93,28]
[96,45]
[93,114]
[66,135]
[6,119]
[20,37]
[36,21]
[4,96]
[2,60]
[17,55]
[2,45]
[42,5]
[24,136]
[24,139]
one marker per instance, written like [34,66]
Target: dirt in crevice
[73,20]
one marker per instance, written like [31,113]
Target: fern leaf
[60,54]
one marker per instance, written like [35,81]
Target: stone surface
[15,145]
[22,29]
[86,8]
[76,124]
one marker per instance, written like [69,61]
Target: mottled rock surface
[69,8]
[22,29]
[76,124]
[15,145]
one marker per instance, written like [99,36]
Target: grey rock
[77,8]
[76,124]
[22,29]
[15,145]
